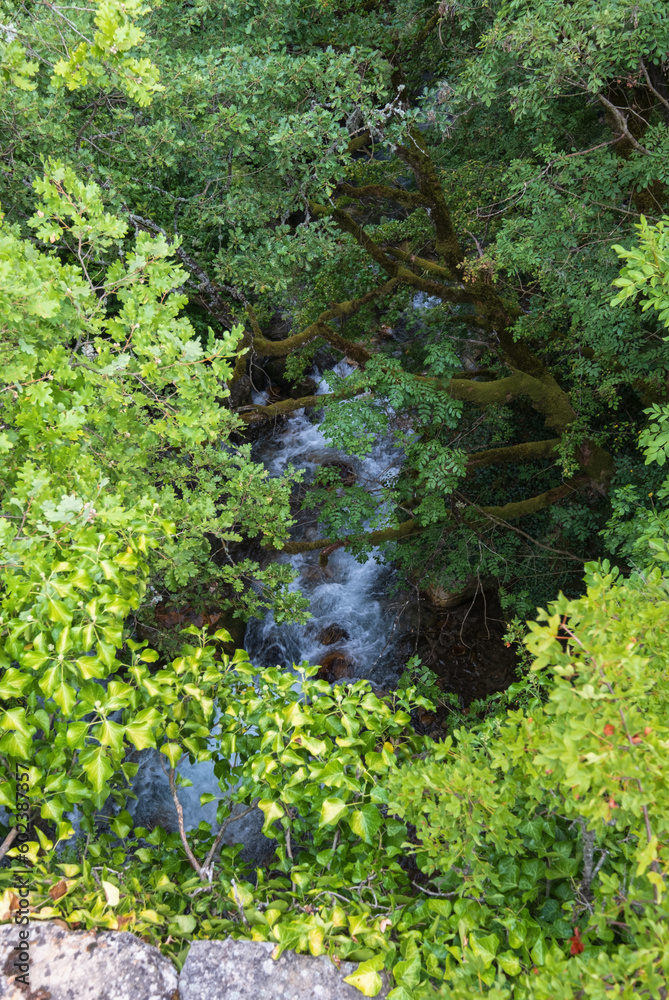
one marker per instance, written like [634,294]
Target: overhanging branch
[507,512]
[524,452]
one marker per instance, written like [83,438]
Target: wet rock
[274,655]
[324,459]
[240,392]
[163,624]
[83,965]
[333,633]
[306,387]
[154,807]
[443,598]
[345,470]
[316,574]
[247,830]
[336,665]
[245,970]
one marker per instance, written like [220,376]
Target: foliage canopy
[196,194]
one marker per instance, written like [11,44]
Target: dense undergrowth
[201,200]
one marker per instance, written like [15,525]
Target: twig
[182,830]
[505,524]
[663,100]
[219,836]
[621,121]
[8,841]
[588,858]
[439,895]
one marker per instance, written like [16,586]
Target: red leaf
[58,890]
[577,945]
[609,730]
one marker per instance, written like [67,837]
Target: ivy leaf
[484,948]
[365,822]
[97,766]
[13,683]
[509,963]
[366,978]
[407,973]
[111,891]
[273,811]
[173,752]
[58,612]
[331,811]
[16,745]
[140,729]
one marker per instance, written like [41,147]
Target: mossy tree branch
[524,452]
[474,517]
[410,199]
[249,413]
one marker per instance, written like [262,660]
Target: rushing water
[347,598]
[351,622]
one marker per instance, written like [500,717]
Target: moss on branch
[523,508]
[476,516]
[524,452]
[403,530]
[250,414]
[411,199]
[321,328]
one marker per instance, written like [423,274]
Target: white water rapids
[347,594]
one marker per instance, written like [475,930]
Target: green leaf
[365,822]
[149,656]
[509,963]
[273,811]
[407,973]
[13,683]
[97,766]
[58,612]
[366,978]
[76,734]
[484,948]
[140,730]
[172,751]
[331,811]
[185,923]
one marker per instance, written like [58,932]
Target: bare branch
[656,93]
[621,121]
[8,841]
[182,829]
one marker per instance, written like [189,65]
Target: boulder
[84,965]
[444,599]
[116,965]
[345,470]
[306,387]
[245,970]
[336,665]
[333,633]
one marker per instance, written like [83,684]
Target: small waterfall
[350,628]
[351,619]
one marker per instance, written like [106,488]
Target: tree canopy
[467,203]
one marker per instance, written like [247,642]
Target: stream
[351,617]
[349,633]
